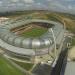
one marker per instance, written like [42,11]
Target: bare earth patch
[71,53]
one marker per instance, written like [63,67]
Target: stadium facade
[21,47]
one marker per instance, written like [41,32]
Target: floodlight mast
[54,39]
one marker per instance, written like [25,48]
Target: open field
[68,20]
[24,65]
[6,68]
[73,41]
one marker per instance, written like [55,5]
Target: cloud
[1,3]
[57,5]
[70,7]
[38,3]
[14,0]
[28,1]
[69,0]
[49,0]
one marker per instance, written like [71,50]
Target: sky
[54,5]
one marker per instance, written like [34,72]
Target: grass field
[34,32]
[73,41]
[26,66]
[6,68]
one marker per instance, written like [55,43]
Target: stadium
[30,38]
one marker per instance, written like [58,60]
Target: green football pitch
[34,32]
[6,68]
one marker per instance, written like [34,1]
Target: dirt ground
[71,53]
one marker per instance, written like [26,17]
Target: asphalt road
[61,63]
